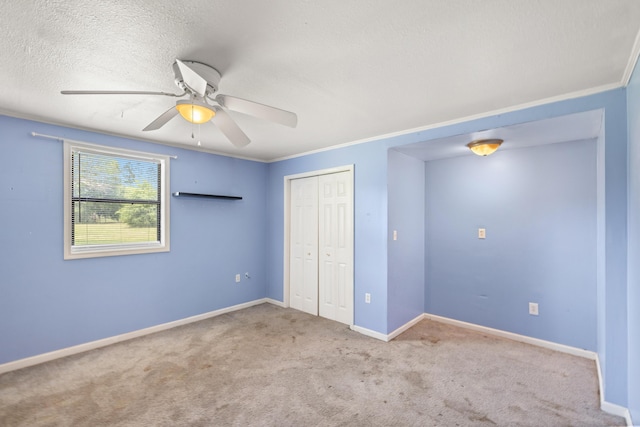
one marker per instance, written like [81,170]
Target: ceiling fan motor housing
[210,74]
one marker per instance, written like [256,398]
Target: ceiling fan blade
[229,128]
[192,79]
[116,92]
[261,111]
[162,119]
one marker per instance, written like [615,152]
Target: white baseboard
[490,331]
[368,332]
[587,354]
[46,357]
[609,407]
[404,327]
[620,411]
[387,337]
[275,302]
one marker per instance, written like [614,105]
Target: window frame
[94,251]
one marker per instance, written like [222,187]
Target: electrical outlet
[237,278]
[482,233]
[395,234]
[533,308]
[367,298]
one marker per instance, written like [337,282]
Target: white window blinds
[116,200]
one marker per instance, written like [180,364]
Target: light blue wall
[613,351]
[370,225]
[47,303]
[371,222]
[406,198]
[633,306]
[538,206]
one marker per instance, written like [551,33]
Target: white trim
[600,382]
[274,302]
[92,251]
[63,139]
[502,111]
[286,253]
[496,332]
[81,348]
[518,107]
[608,407]
[344,168]
[620,411]
[287,221]
[587,354]
[44,120]
[404,327]
[368,332]
[633,60]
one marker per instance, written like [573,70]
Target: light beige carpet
[279,367]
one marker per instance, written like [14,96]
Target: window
[115,201]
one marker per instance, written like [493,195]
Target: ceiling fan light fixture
[195,112]
[200,81]
[484,147]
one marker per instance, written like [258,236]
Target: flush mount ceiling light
[484,147]
[194,111]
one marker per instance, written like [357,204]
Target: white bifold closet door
[304,245]
[321,247]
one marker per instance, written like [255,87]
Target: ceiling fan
[200,83]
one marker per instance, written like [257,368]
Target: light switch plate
[482,233]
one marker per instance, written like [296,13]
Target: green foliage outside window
[138,215]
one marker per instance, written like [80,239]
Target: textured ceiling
[351,70]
